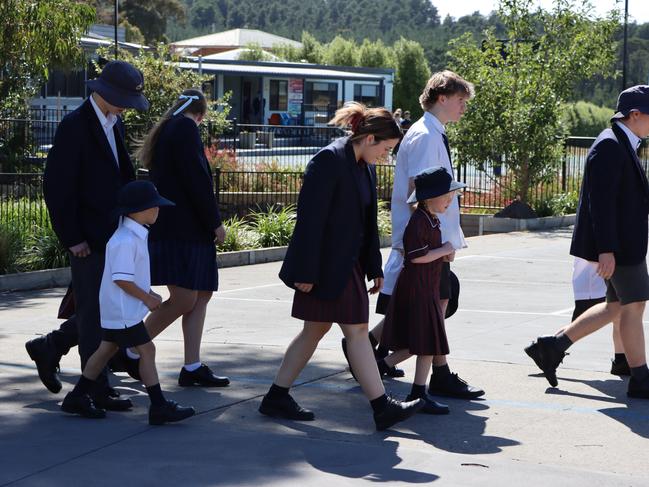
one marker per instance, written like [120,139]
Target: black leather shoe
[47,362]
[620,367]
[394,372]
[547,357]
[450,385]
[170,412]
[344,345]
[104,401]
[202,376]
[83,406]
[396,411]
[638,389]
[431,406]
[285,407]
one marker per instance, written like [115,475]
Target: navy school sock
[441,370]
[379,404]
[155,395]
[276,392]
[619,358]
[417,391]
[641,373]
[563,342]
[83,386]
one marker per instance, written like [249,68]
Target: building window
[278,95]
[367,94]
[321,96]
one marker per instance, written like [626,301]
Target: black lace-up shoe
[47,362]
[169,412]
[451,385]
[431,406]
[285,407]
[547,356]
[202,376]
[396,411]
[620,367]
[83,406]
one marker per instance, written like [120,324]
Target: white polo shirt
[586,284]
[421,148]
[127,259]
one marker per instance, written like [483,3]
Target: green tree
[150,16]
[163,83]
[341,52]
[253,52]
[35,36]
[522,83]
[375,55]
[411,74]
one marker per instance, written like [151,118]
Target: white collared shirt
[586,284]
[127,259]
[421,148]
[633,138]
[107,123]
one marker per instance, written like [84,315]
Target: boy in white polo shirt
[125,298]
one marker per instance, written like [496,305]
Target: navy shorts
[132,336]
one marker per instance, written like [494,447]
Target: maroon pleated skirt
[352,307]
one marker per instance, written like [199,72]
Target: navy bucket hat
[121,85]
[634,98]
[139,196]
[433,182]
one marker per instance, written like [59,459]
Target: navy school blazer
[182,174]
[82,179]
[613,203]
[327,239]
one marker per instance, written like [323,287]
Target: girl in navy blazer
[182,243]
[334,246]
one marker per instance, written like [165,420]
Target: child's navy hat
[121,85]
[139,196]
[433,182]
[634,98]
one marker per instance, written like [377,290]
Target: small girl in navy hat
[125,298]
[414,321]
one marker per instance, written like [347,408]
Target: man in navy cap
[611,231]
[86,167]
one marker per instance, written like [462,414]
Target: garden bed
[475,225]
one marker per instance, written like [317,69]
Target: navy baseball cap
[433,182]
[634,98]
[139,196]
[121,84]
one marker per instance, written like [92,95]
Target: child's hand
[448,248]
[153,302]
[378,284]
[155,294]
[450,257]
[304,287]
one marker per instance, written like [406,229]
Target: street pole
[115,21]
[624,54]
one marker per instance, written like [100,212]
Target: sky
[638,9]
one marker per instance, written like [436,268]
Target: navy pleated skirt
[190,265]
[352,307]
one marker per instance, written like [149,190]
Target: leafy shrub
[238,236]
[11,244]
[543,207]
[275,226]
[584,119]
[564,203]
[43,250]
[384,219]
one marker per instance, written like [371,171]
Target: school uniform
[84,172]
[127,259]
[414,319]
[181,243]
[612,213]
[588,288]
[424,146]
[335,243]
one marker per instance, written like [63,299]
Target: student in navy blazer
[86,167]
[611,230]
[334,247]
[182,244]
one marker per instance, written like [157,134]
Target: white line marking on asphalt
[249,288]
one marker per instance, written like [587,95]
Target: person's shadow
[633,413]
[356,455]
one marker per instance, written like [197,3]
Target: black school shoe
[202,376]
[451,385]
[431,406]
[620,367]
[547,356]
[284,407]
[396,411]
[169,412]
[391,372]
[82,405]
[120,362]
[47,362]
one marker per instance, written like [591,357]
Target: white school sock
[132,355]
[192,367]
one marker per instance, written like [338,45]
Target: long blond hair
[196,106]
[365,121]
